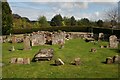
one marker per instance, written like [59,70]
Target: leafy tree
[67,21]
[100,23]
[56,20]
[43,21]
[6,18]
[73,21]
[85,22]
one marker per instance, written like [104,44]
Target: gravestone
[109,60]
[13,60]
[61,43]
[101,36]
[93,50]
[26,60]
[59,62]
[27,43]
[113,43]
[12,48]
[77,61]
[44,54]
[14,39]
[116,59]
[20,60]
[101,46]
[38,39]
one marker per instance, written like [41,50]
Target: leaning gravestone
[113,43]
[27,43]
[59,62]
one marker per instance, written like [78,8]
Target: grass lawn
[92,63]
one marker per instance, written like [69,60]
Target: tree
[43,21]
[100,23]
[56,20]
[85,22]
[73,21]
[67,21]
[112,16]
[6,18]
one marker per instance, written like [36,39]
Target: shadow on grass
[104,62]
[20,49]
[115,50]
[53,64]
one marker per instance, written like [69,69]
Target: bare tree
[112,16]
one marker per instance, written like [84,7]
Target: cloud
[61,0]
[97,13]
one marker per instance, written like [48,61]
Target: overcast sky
[92,9]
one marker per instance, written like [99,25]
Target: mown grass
[92,63]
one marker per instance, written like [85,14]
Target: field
[92,66]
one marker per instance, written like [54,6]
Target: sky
[33,9]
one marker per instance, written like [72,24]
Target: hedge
[68,29]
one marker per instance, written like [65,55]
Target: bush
[67,29]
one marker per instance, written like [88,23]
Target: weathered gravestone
[20,60]
[93,50]
[59,62]
[77,61]
[12,48]
[113,43]
[27,43]
[14,39]
[38,39]
[101,36]
[109,60]
[116,59]
[13,60]
[61,43]
[44,54]
[26,60]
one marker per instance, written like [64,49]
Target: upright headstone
[13,60]
[12,48]
[116,59]
[26,60]
[27,43]
[20,60]
[77,61]
[101,36]
[113,43]
[14,39]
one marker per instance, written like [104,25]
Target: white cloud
[61,0]
[97,13]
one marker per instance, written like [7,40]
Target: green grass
[91,67]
